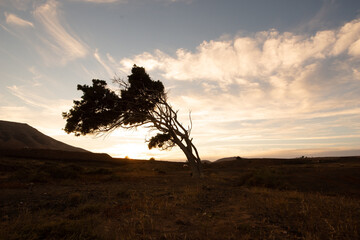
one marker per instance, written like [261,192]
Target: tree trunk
[182,139]
[194,162]
[196,167]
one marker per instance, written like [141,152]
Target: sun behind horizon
[131,151]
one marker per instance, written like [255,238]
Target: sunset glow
[260,79]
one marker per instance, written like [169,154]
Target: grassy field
[316,198]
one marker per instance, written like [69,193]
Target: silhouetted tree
[140,101]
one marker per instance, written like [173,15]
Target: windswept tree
[140,101]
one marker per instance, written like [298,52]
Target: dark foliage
[162,141]
[98,108]
[141,101]
[102,109]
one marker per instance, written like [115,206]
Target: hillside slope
[15,135]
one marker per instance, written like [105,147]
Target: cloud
[266,53]
[15,20]
[61,42]
[224,61]
[280,88]
[268,65]
[322,17]
[354,49]
[103,63]
[33,108]
[347,38]
[31,98]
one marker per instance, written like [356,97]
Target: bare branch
[190,120]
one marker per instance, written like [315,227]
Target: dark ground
[314,198]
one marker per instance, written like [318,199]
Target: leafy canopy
[101,109]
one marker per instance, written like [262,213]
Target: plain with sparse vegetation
[129,199]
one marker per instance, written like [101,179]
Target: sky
[261,78]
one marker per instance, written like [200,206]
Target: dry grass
[154,200]
[306,215]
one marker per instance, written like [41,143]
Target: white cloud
[15,20]
[65,45]
[346,37]
[263,55]
[224,61]
[270,65]
[354,49]
[292,89]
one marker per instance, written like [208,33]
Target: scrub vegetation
[315,198]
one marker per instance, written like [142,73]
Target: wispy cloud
[65,45]
[107,68]
[32,98]
[15,20]
[321,18]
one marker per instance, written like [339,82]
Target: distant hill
[14,135]
[226,159]
[19,140]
